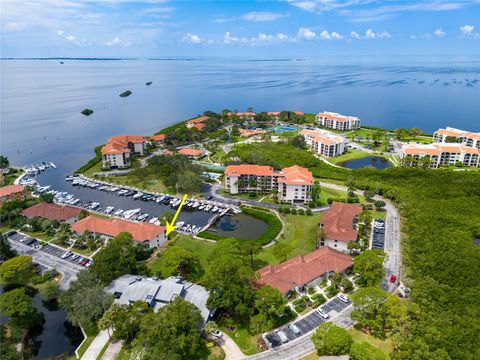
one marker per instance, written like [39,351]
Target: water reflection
[375,161]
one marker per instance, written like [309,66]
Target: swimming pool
[283,129]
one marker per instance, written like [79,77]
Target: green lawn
[331,193]
[246,342]
[385,345]
[218,156]
[100,355]
[350,155]
[311,356]
[201,248]
[300,232]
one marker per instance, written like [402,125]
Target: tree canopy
[171,333]
[17,270]
[19,308]
[364,351]
[179,261]
[329,339]
[369,264]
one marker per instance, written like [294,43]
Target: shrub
[309,212]
[311,290]
[331,291]
[297,301]
[293,211]
[299,308]
[301,212]
[323,283]
[287,210]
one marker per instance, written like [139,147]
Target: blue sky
[156,28]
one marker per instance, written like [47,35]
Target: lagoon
[375,161]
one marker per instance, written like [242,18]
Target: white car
[322,313]
[343,298]
[217,333]
[66,254]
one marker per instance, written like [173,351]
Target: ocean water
[41,100]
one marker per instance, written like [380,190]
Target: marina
[125,202]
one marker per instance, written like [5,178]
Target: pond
[56,337]
[241,226]
[283,129]
[375,161]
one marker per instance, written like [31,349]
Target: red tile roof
[338,221]
[302,269]
[51,211]
[198,120]
[112,227]
[200,126]
[127,138]
[248,133]
[10,189]
[247,169]
[296,175]
[191,152]
[115,148]
[160,137]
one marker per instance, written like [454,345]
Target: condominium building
[441,154]
[118,150]
[337,121]
[293,184]
[193,154]
[450,135]
[324,142]
[13,192]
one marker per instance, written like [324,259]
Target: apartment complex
[152,235]
[192,154]
[338,223]
[337,121]
[251,132]
[293,184]
[452,135]
[441,154]
[304,271]
[324,142]
[118,151]
[62,213]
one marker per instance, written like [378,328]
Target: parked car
[11,233]
[322,313]
[90,263]
[343,298]
[217,333]
[84,262]
[294,329]
[74,257]
[66,254]
[23,239]
[281,335]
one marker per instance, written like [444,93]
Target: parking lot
[308,323]
[378,234]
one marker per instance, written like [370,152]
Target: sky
[160,28]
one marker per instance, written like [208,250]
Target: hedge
[274,226]
[92,162]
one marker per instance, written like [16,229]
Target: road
[68,270]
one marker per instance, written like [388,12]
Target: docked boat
[119,212]
[138,195]
[109,210]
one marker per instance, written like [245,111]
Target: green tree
[6,251]
[19,308]
[171,333]
[379,204]
[235,131]
[414,132]
[282,250]
[49,291]
[85,301]
[178,260]
[364,351]
[124,319]
[378,311]
[250,248]
[228,277]
[17,270]
[298,141]
[116,259]
[260,323]
[4,163]
[330,339]
[269,301]
[369,264]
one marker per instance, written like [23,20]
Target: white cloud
[467,29]
[326,5]
[325,35]
[384,35]
[70,38]
[336,36]
[439,33]
[115,41]
[370,34]
[262,16]
[60,32]
[355,35]
[305,33]
[192,39]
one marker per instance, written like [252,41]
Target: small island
[87,112]
[125,93]
[148,83]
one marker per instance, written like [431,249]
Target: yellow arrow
[171,226]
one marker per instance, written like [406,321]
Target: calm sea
[41,100]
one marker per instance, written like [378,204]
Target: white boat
[152,220]
[157,222]
[201,207]
[208,207]
[196,204]
[161,198]
[118,212]
[129,213]
[180,224]
[113,189]
[215,209]
[75,201]
[53,165]
[109,209]
[94,205]
[172,201]
[138,195]
[122,192]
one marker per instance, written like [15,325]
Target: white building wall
[337,245]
